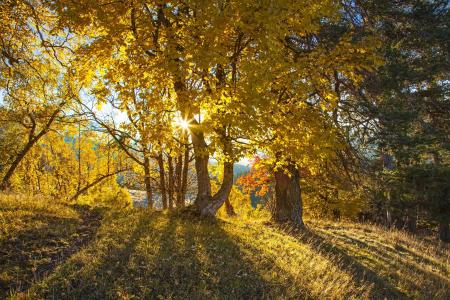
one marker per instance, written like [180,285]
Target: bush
[109,194]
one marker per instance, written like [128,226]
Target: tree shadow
[177,256]
[163,257]
[388,254]
[225,267]
[361,274]
[402,258]
[198,260]
[34,253]
[101,274]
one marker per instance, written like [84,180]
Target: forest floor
[51,250]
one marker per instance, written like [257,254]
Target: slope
[138,254]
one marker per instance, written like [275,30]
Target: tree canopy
[343,102]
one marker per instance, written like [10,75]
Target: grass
[139,254]
[36,235]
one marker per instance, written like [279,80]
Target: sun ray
[181,123]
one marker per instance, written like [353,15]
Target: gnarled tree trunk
[229,208]
[201,167]
[209,205]
[222,194]
[206,204]
[288,200]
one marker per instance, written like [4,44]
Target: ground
[51,250]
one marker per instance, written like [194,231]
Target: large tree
[224,64]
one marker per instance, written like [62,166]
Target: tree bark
[389,222]
[411,222]
[184,176]
[201,167]
[222,194]
[162,181]
[171,181]
[288,200]
[147,182]
[229,208]
[204,202]
[178,179]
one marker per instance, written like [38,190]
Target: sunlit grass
[141,254]
[416,267]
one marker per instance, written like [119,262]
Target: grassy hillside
[49,250]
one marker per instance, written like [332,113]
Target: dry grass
[140,254]
[394,260]
[37,234]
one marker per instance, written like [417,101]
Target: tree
[33,78]
[410,106]
[300,129]
[216,60]
[48,168]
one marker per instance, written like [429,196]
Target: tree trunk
[171,181]
[444,232]
[92,184]
[411,222]
[162,181]
[389,222]
[222,194]
[147,181]
[32,140]
[184,176]
[288,200]
[5,185]
[201,167]
[229,208]
[178,179]
[204,202]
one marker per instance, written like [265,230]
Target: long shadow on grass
[34,253]
[399,258]
[164,257]
[106,274]
[198,260]
[361,274]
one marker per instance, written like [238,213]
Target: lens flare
[182,123]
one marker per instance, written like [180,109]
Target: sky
[120,117]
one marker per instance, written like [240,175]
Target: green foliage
[411,107]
